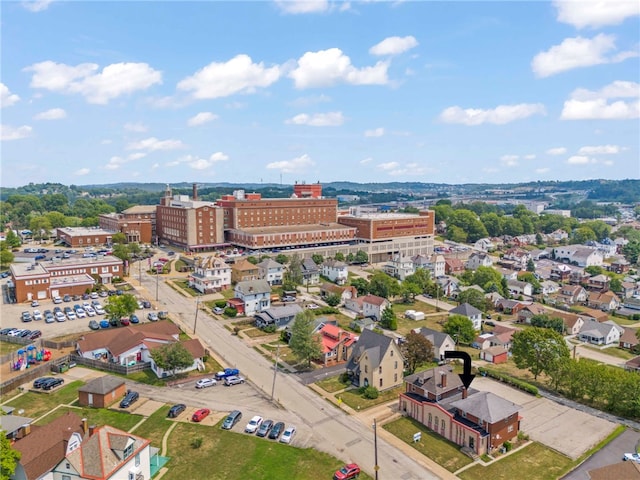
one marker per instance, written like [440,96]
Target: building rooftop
[382,216]
[316,227]
[84,231]
[140,209]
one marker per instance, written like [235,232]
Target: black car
[25,333]
[130,398]
[39,382]
[277,429]
[35,334]
[264,428]
[53,383]
[5,331]
[176,410]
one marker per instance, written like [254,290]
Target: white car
[206,382]
[94,295]
[80,313]
[37,315]
[631,457]
[71,315]
[90,311]
[15,333]
[253,424]
[288,434]
[60,317]
[57,300]
[99,310]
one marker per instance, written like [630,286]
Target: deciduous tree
[416,350]
[540,350]
[460,328]
[172,357]
[389,319]
[9,457]
[303,342]
[119,306]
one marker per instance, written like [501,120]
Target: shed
[497,354]
[101,392]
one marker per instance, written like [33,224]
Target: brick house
[453,266]
[101,392]
[605,301]
[244,271]
[598,283]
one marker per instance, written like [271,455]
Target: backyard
[35,404]
[357,401]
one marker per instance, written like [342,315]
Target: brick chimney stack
[92,428]
[194,193]
[465,392]
[85,425]
[443,379]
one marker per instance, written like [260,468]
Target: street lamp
[376,467]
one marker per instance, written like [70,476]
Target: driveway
[564,429]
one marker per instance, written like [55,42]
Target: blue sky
[372,91]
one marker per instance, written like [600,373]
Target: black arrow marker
[466,376]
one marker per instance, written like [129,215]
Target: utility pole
[195,322]
[157,279]
[275,371]
[376,467]
[140,271]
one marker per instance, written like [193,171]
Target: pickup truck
[227,372]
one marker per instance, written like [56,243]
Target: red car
[347,472]
[201,414]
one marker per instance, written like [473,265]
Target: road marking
[351,443]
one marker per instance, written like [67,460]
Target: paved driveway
[564,429]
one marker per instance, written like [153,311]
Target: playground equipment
[30,356]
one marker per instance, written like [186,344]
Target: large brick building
[84,236]
[50,279]
[138,223]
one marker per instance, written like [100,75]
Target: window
[380,369]
[391,354]
[510,428]
[366,369]
[395,377]
[66,477]
[137,459]
[395,365]
[380,383]
[128,451]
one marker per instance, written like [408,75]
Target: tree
[383,285]
[615,284]
[545,321]
[361,285]
[317,258]
[172,357]
[361,257]
[121,251]
[456,234]
[303,342]
[421,278]
[631,251]
[485,277]
[593,270]
[460,328]
[12,239]
[416,350]
[293,275]
[469,223]
[252,259]
[119,306]
[333,300]
[339,257]
[6,257]
[119,237]
[282,259]
[540,350]
[583,235]
[389,319]
[473,297]
[531,266]
[9,457]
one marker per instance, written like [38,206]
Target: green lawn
[155,426]
[256,332]
[235,456]
[613,352]
[96,416]
[356,401]
[435,447]
[533,462]
[332,384]
[37,404]
[7,347]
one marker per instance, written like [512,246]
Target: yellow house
[376,361]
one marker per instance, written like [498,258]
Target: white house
[477,259]
[367,306]
[310,272]
[579,255]
[211,274]
[400,267]
[485,244]
[469,311]
[271,271]
[335,271]
[549,287]
[600,333]
[518,287]
[255,294]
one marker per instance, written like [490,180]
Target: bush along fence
[522,385]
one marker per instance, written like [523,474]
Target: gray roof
[465,309]
[11,423]
[268,264]
[593,327]
[431,380]
[487,406]
[309,266]
[102,385]
[435,337]
[332,263]
[253,287]
[375,344]
[278,312]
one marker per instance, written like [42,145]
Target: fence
[58,345]
[107,366]
[30,374]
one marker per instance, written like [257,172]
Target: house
[510,307]
[620,266]
[557,236]
[14,426]
[441,342]
[254,294]
[549,287]
[507,274]
[271,271]
[211,274]
[335,271]
[495,355]
[617,471]
[484,244]
[525,314]
[344,293]
[578,277]
[518,257]
[370,306]
[376,360]
[44,446]
[571,295]
[101,392]
[605,301]
[449,285]
[594,314]
[476,260]
[279,316]
[572,323]
[578,255]
[482,341]
[598,283]
[400,267]
[629,340]
[502,336]
[337,344]
[438,266]
[627,289]
[244,271]
[493,298]
[361,324]
[310,272]
[560,272]
[600,333]
[453,266]
[469,311]
[518,287]
[632,303]
[633,365]
[477,421]
[107,454]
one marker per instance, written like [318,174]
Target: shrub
[344,377]
[371,393]
[221,303]
[236,330]
[196,442]
[522,385]
[230,312]
[507,445]
[269,329]
[523,436]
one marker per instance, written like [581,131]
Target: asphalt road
[328,428]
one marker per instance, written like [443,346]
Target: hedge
[508,379]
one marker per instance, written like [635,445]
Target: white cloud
[509,160]
[329,67]
[556,151]
[365,161]
[595,13]
[329,119]
[52,114]
[106,141]
[599,150]
[542,170]
[238,75]
[81,172]
[114,163]
[388,166]
[114,81]
[578,160]
[199,163]
[136,156]
[394,46]
[152,144]
[500,115]
[589,105]
[376,132]
[36,6]
[531,156]
[135,127]
[298,164]
[6,97]
[578,52]
[310,100]
[7,132]
[201,118]
[296,7]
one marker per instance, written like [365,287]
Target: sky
[284,91]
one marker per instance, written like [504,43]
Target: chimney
[443,379]
[195,192]
[464,393]
[85,425]
[26,429]
[92,428]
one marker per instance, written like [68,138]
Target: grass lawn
[623,321]
[435,447]
[286,355]
[613,352]
[356,401]
[7,347]
[148,377]
[332,384]
[533,462]
[37,404]
[256,332]
[155,426]
[235,456]
[184,285]
[96,416]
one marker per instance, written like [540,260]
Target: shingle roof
[375,344]
[11,423]
[431,380]
[435,337]
[373,300]
[466,309]
[269,264]
[118,340]
[253,287]
[487,406]
[102,385]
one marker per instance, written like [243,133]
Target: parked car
[152,316]
[16,332]
[53,383]
[288,434]
[632,457]
[104,324]
[490,323]
[288,298]
[176,410]
[26,317]
[218,310]
[93,325]
[99,310]
[206,382]
[129,399]
[71,315]
[60,317]
[35,303]
[233,381]
[103,293]
[81,313]
[227,372]
[253,424]
[124,321]
[37,315]
[134,318]
[276,430]
[90,311]
[265,428]
[233,418]
[349,471]
[93,295]
[35,334]
[49,317]
[146,304]
[66,298]
[41,381]
[25,333]
[57,300]
[200,415]
[163,314]
[7,331]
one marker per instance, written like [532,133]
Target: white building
[335,271]
[271,271]
[211,274]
